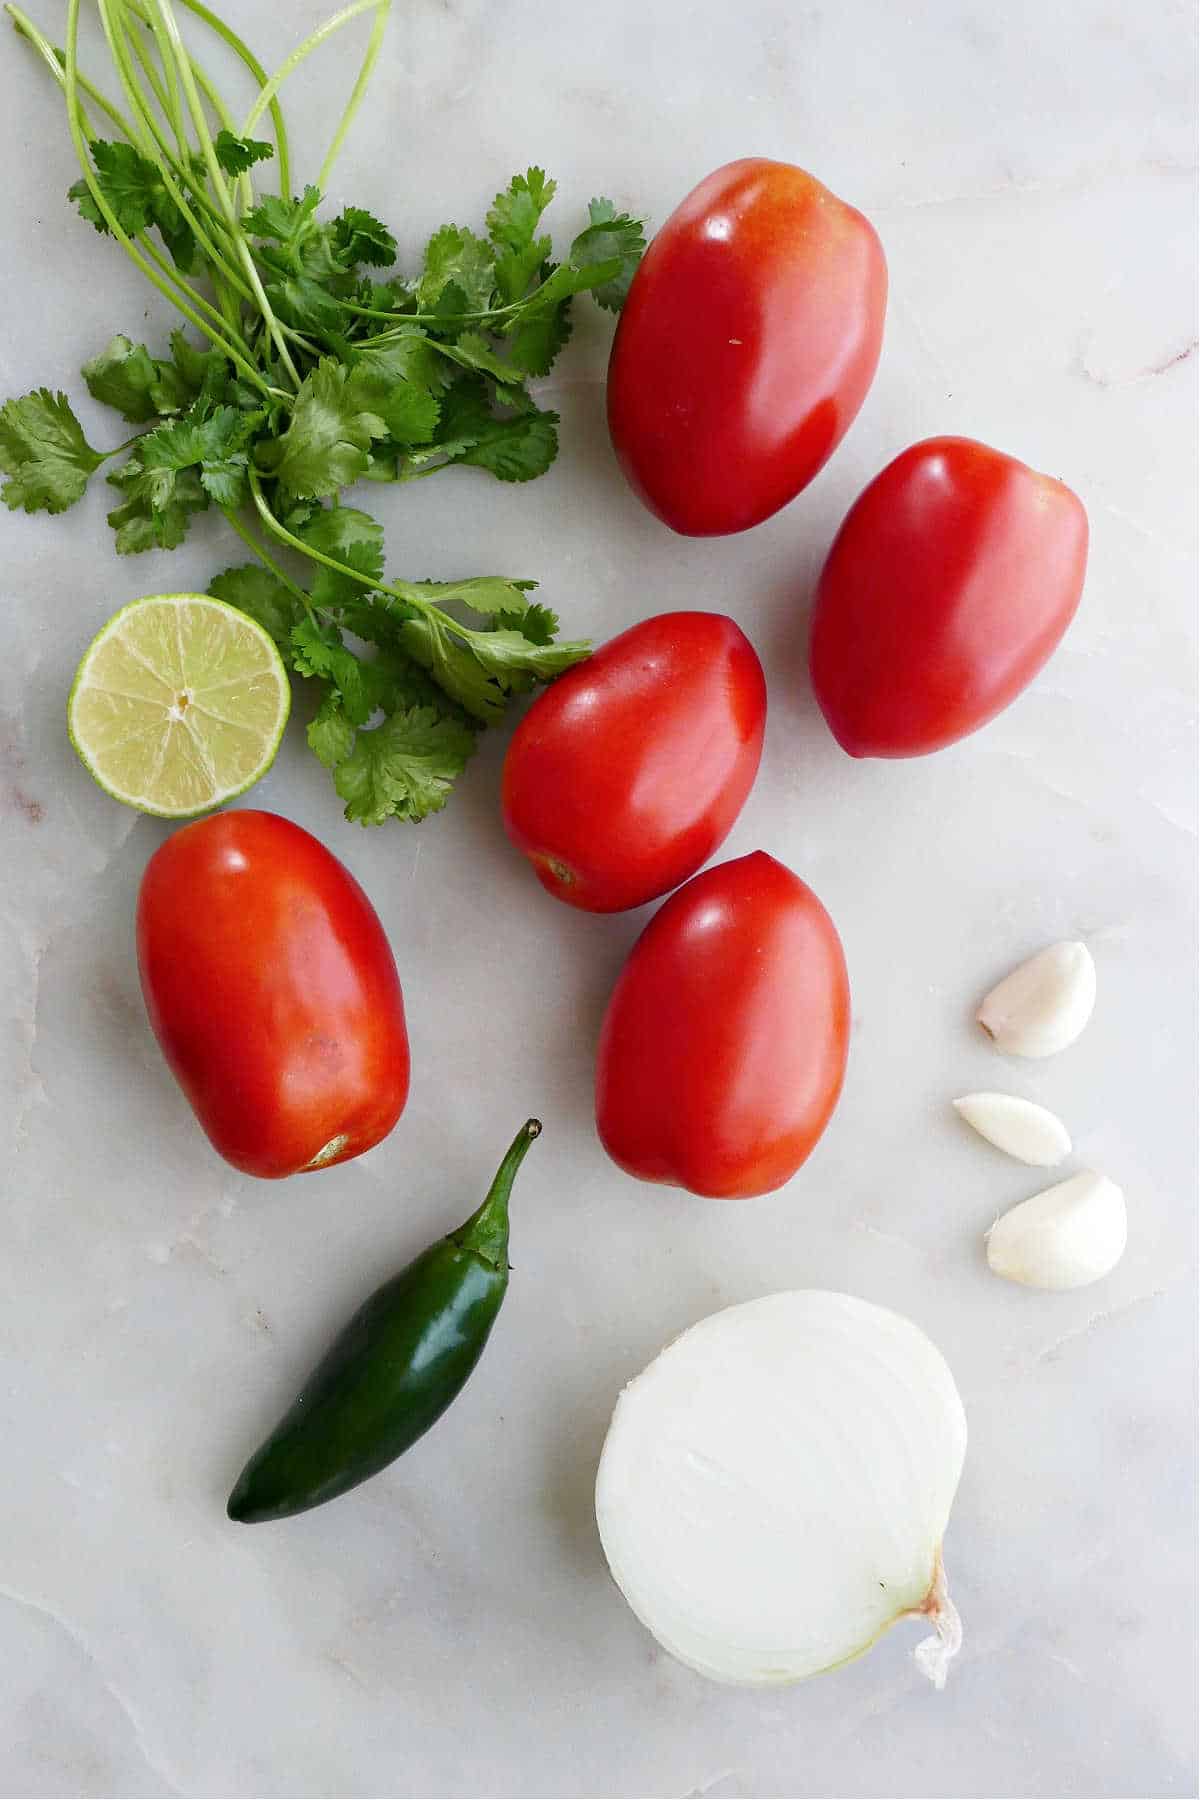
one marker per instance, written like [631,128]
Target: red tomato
[950,583]
[746,346]
[627,773]
[724,1045]
[273,993]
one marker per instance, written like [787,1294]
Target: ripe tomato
[950,583]
[724,1045]
[627,773]
[745,347]
[272,992]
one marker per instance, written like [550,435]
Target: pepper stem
[486,1231]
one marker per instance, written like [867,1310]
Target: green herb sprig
[318,367]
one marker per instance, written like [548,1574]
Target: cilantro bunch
[318,366]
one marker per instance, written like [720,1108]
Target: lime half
[179,704]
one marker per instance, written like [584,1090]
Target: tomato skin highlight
[723,1049]
[950,584]
[628,772]
[273,993]
[746,345]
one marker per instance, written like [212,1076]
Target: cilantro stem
[26,28]
[150,134]
[382,8]
[216,175]
[38,41]
[268,561]
[403,591]
[280,531]
[35,38]
[168,101]
[222,319]
[224,278]
[212,94]
[249,61]
[432,318]
[271,88]
[71,84]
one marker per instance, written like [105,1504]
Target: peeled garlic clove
[1044,1004]
[1065,1237]
[1030,1133]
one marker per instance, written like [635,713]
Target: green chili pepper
[394,1370]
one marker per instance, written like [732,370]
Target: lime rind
[178,705]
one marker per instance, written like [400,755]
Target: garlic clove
[1044,1004]
[1030,1133]
[1065,1237]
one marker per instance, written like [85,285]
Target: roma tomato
[272,992]
[626,774]
[723,1049]
[745,347]
[950,583]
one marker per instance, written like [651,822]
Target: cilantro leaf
[326,444]
[568,279]
[215,442]
[512,225]
[350,537]
[482,593]
[466,415]
[44,453]
[535,622]
[286,221]
[513,216]
[236,154]
[538,337]
[317,649]
[82,195]
[194,440]
[254,590]
[129,182]
[448,658]
[610,234]
[400,681]
[481,669]
[472,351]
[450,307]
[176,234]
[358,237]
[146,522]
[124,375]
[403,768]
[412,357]
[330,733]
[134,188]
[303,303]
[509,655]
[339,591]
[224,479]
[199,374]
[456,255]
[517,449]
[409,411]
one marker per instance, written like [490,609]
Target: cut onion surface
[775,1486]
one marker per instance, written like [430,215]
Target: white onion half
[774,1488]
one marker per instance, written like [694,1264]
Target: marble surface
[450,1629]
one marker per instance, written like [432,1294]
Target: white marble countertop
[450,1629]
